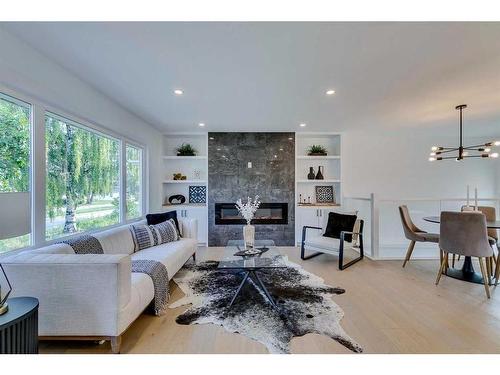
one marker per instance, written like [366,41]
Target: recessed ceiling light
[211,138]
[281,148]
[178,92]
[330,92]
[201,124]
[218,149]
[303,125]
[290,139]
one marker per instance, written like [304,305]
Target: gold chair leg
[453,261]
[483,272]
[409,252]
[490,269]
[441,268]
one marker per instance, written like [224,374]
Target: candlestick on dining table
[475,198]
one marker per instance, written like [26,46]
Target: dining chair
[465,233]
[413,233]
[490,213]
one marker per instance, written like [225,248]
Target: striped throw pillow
[152,235]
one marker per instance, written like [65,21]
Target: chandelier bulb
[496,143]
[432,159]
[434,148]
[494,155]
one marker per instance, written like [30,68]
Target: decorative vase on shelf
[248,236]
[311,174]
[319,175]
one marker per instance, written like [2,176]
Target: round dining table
[467,272]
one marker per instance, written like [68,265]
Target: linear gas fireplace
[268,213]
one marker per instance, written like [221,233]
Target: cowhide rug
[305,301]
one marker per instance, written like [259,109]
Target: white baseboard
[421,251]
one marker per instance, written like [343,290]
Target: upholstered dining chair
[465,233]
[413,233]
[490,214]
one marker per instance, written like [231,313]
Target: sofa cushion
[323,243]
[154,219]
[58,248]
[152,235]
[116,240]
[173,254]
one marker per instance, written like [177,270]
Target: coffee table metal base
[257,282]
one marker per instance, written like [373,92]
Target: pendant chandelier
[461,152]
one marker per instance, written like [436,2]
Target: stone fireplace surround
[242,165]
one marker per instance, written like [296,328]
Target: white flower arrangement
[248,209]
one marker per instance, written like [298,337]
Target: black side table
[19,327]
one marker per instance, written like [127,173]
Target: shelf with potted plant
[185,155]
[316,152]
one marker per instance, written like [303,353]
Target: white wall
[395,166]
[24,70]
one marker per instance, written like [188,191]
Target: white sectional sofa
[94,296]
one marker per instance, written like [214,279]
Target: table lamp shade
[15,218]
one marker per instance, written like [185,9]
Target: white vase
[248,235]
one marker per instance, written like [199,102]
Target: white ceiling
[272,76]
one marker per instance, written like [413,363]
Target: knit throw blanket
[87,244]
[84,244]
[158,273]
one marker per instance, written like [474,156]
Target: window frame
[39,108]
[143,180]
[120,161]
[19,100]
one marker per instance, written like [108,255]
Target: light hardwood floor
[388,309]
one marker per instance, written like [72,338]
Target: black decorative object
[19,327]
[319,175]
[311,175]
[177,199]
[325,194]
[197,194]
[251,252]
[463,151]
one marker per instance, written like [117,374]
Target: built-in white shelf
[195,168]
[186,205]
[199,182]
[319,206]
[318,181]
[327,157]
[175,157]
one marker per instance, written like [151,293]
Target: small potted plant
[317,150]
[185,150]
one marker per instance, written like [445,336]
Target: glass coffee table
[250,266]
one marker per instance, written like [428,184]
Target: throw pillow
[338,223]
[154,219]
[152,235]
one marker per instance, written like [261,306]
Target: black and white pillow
[152,235]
